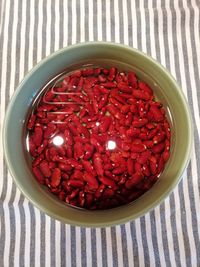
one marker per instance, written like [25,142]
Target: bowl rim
[151,205]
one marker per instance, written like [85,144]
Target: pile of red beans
[98,139]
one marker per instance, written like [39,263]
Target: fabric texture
[167,30]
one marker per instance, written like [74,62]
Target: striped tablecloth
[169,31]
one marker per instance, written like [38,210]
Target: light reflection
[58,140]
[111,145]
[97,123]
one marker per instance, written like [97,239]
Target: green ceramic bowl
[105,54]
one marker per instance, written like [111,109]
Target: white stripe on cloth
[88,247]
[9,180]
[37,238]
[48,28]
[68,246]
[125,19]
[82,22]
[78,247]
[116,14]
[108,26]
[139,241]
[39,31]
[74,22]
[99,248]
[17,228]
[119,246]
[134,24]
[2,13]
[46,243]
[57,25]
[90,20]
[57,243]
[99,20]
[27,234]
[109,247]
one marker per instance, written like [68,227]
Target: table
[167,30]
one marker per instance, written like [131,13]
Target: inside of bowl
[165,89]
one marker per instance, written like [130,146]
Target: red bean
[160,165]
[81,198]
[68,137]
[128,119]
[167,144]
[112,73]
[109,84]
[99,191]
[44,168]
[159,137]
[91,180]
[68,189]
[105,122]
[118,97]
[158,148]
[130,166]
[73,194]
[116,103]
[87,109]
[133,132]
[139,122]
[38,175]
[56,177]
[65,176]
[157,114]
[37,160]
[132,79]
[89,149]
[115,112]
[134,180]
[65,167]
[123,87]
[98,165]
[75,183]
[88,200]
[145,170]
[141,94]
[108,193]
[48,96]
[94,142]
[32,147]
[107,181]
[119,170]
[74,163]
[138,148]
[78,150]
[88,166]
[134,108]
[77,175]
[42,147]
[166,155]
[144,157]
[31,122]
[87,72]
[37,136]
[153,167]
[125,109]
[143,86]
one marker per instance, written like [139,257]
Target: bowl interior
[103,54]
